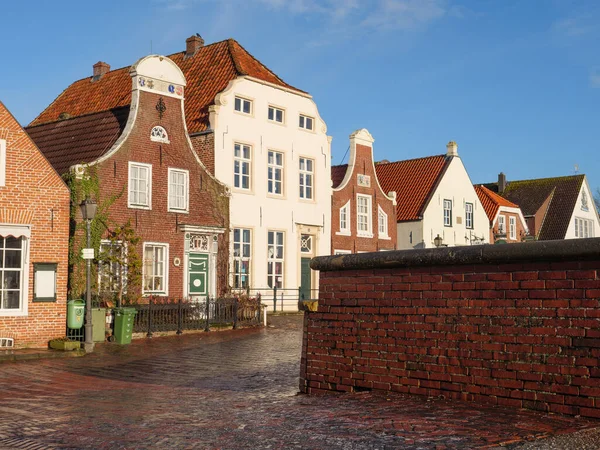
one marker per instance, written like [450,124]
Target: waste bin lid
[76,302]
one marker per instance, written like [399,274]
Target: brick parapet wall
[514,325]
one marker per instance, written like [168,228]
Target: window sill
[154,294]
[385,237]
[242,191]
[343,233]
[13,313]
[179,211]
[365,235]
[148,208]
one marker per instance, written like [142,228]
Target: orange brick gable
[35,195]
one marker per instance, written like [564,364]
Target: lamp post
[438,241]
[88,211]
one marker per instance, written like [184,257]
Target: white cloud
[405,14]
[576,26]
[595,79]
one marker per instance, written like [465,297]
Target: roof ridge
[76,117]
[408,160]
[581,175]
[232,41]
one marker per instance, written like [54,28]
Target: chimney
[501,182]
[193,44]
[452,148]
[100,68]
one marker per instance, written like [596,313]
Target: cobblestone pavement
[234,390]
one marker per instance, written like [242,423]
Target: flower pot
[60,344]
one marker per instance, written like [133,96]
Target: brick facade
[35,195]
[208,202]
[204,144]
[362,165]
[515,325]
[520,231]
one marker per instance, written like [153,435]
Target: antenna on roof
[576,169]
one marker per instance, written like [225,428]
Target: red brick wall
[204,144]
[354,243]
[35,195]
[520,229]
[522,334]
[208,206]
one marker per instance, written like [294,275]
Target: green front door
[198,274]
[305,279]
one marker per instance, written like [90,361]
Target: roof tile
[491,201]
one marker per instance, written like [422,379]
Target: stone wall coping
[539,251]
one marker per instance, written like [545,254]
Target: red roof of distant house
[207,73]
[414,182]
[337,174]
[491,201]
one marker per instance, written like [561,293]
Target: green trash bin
[75,314]
[98,324]
[124,324]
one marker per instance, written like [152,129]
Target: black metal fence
[280,299]
[163,314]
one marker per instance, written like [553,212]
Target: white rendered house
[436,203]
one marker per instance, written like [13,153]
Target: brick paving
[232,390]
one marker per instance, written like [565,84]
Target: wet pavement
[239,389]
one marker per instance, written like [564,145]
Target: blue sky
[515,83]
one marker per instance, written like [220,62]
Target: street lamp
[438,241]
[88,211]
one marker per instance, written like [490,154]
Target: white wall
[257,209]
[456,186]
[580,212]
[404,235]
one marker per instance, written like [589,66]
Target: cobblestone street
[232,390]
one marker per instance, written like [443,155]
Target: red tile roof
[491,201]
[337,174]
[414,182]
[207,73]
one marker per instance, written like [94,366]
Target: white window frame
[382,223]
[303,121]
[242,101]
[148,203]
[447,213]
[242,160]
[273,260]
[307,178]
[165,272]
[240,258]
[272,114]
[23,270]
[364,219]
[469,216]
[272,169]
[345,218]
[172,191]
[2,162]
[584,228]
[512,227]
[121,271]
[502,224]
[342,252]
[159,134]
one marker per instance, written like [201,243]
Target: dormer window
[159,134]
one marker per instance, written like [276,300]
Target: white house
[436,201]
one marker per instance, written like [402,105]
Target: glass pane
[279,238]
[12,259]
[270,113]
[12,280]
[279,116]
[279,159]
[13,242]
[236,150]
[246,106]
[270,237]
[238,104]
[309,165]
[1,258]
[309,123]
[246,152]
[246,249]
[301,122]
[246,235]
[11,299]
[236,234]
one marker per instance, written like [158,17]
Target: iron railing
[280,299]
[160,315]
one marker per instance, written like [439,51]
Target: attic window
[159,134]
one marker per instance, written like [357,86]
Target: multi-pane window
[345,218]
[382,219]
[243,105]
[306,122]
[178,190]
[11,273]
[155,269]
[306,178]
[447,213]
[584,228]
[275,258]
[140,185]
[363,214]
[241,257]
[241,166]
[275,173]
[512,227]
[469,215]
[112,273]
[501,224]
[276,114]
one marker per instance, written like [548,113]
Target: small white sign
[87,253]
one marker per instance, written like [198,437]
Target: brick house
[436,203]
[554,208]
[507,224]
[148,174]
[363,216]
[34,240]
[261,137]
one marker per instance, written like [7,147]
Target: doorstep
[36,353]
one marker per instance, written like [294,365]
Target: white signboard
[87,253]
